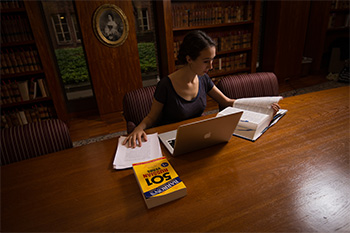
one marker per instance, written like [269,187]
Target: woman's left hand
[275,108]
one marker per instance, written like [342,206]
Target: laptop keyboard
[171,142]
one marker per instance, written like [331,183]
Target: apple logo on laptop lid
[207,135]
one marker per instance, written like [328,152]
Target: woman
[111,29]
[182,95]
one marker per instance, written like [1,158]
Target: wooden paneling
[256,34]
[286,27]
[165,22]
[113,70]
[316,33]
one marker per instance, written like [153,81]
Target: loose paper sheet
[125,157]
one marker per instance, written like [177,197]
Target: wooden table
[295,178]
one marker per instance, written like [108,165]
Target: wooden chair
[136,106]
[33,139]
[249,85]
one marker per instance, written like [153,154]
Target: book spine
[7,98]
[13,60]
[4,65]
[15,118]
[27,114]
[23,89]
[43,88]
[19,60]
[8,62]
[4,123]
[34,115]
[23,117]
[16,92]
[8,119]
[35,59]
[30,62]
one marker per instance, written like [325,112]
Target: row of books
[339,20]
[187,15]
[25,116]
[225,41]
[15,28]
[232,63]
[19,60]
[229,63]
[339,4]
[234,40]
[11,4]
[15,92]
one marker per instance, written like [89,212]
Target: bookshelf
[338,21]
[29,90]
[234,26]
[339,15]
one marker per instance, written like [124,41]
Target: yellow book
[158,181]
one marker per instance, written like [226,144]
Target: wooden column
[285,34]
[165,37]
[256,35]
[113,70]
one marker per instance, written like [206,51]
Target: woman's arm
[220,98]
[138,133]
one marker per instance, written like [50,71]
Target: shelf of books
[25,96]
[339,16]
[232,24]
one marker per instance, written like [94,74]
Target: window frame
[58,17]
[141,17]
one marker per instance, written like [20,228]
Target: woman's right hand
[135,138]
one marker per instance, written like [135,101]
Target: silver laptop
[200,134]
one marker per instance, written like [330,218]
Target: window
[76,27]
[146,40]
[60,25]
[143,19]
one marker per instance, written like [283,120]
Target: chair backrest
[136,106]
[33,139]
[249,85]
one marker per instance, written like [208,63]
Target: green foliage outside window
[73,68]
[148,59]
[72,65]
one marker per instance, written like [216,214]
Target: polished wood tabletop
[295,178]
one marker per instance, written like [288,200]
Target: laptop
[200,134]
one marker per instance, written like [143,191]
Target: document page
[125,157]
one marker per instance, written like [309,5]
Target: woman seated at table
[182,95]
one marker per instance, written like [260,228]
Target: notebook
[200,134]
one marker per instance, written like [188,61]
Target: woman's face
[204,62]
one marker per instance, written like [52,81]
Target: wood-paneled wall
[285,34]
[113,70]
